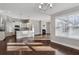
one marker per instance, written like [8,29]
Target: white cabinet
[2,35]
[24,34]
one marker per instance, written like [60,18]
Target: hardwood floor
[59,49]
[35,46]
[64,50]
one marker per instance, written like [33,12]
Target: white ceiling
[58,7]
[22,10]
[31,10]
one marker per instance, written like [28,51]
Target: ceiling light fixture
[51,5]
[45,6]
[40,6]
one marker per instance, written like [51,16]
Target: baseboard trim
[68,50]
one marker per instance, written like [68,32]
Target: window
[67,26]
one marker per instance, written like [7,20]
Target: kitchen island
[22,34]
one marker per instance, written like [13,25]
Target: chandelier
[45,6]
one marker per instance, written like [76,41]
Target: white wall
[63,40]
[37,27]
[48,27]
